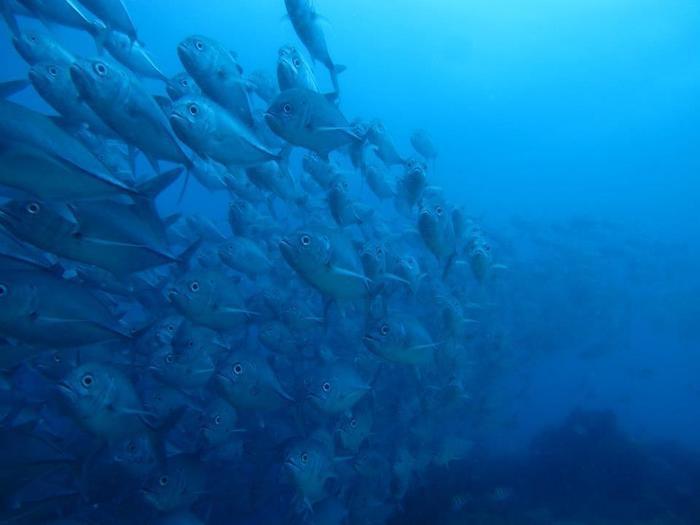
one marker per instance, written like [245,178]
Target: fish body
[219,75]
[309,119]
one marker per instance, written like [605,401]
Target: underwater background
[569,130]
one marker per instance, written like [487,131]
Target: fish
[35,47]
[39,158]
[36,312]
[401,339]
[219,75]
[209,298]
[311,255]
[43,226]
[423,144]
[305,21]
[53,82]
[261,84]
[124,105]
[104,401]
[181,85]
[214,134]
[383,145]
[176,485]
[128,52]
[308,119]
[377,181]
[245,256]
[310,465]
[114,14]
[293,71]
[63,12]
[248,382]
[337,388]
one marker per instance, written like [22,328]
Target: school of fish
[291,367]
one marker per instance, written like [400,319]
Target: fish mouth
[172,295]
[177,117]
[65,389]
[291,465]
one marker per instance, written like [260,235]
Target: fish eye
[53,71]
[32,38]
[353,423]
[238,369]
[184,82]
[33,208]
[438,210]
[164,480]
[326,387]
[194,286]
[287,108]
[87,380]
[217,420]
[131,447]
[487,247]
[171,328]
[304,457]
[170,358]
[100,69]
[199,45]
[56,358]
[3,290]
[190,344]
[385,329]
[305,240]
[296,62]
[193,109]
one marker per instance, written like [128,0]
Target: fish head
[218,422]
[373,258]
[287,113]
[480,259]
[307,464]
[165,487]
[48,76]
[237,374]
[383,334]
[290,65]
[18,300]
[24,219]
[306,250]
[336,388]
[99,82]
[192,118]
[33,46]
[198,54]
[376,132]
[90,388]
[192,294]
[135,453]
[180,85]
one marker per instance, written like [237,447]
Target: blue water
[570,130]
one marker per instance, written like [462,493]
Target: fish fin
[188,173]
[338,68]
[171,219]
[164,102]
[9,17]
[99,33]
[132,158]
[156,185]
[448,265]
[152,161]
[11,87]
[186,256]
